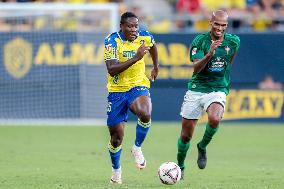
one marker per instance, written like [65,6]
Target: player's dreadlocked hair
[126,15]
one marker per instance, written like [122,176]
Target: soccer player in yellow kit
[128,88]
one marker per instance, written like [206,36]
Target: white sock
[136,147]
[116,170]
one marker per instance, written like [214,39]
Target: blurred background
[159,16]
[52,68]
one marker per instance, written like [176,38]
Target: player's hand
[213,46]
[154,74]
[142,50]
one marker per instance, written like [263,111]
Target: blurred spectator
[260,21]
[200,11]
[87,1]
[212,5]
[188,6]
[186,12]
[238,14]
[235,8]
[252,2]
[269,84]
[270,7]
[158,15]
[275,12]
[17,1]
[4,26]
[143,18]
[74,1]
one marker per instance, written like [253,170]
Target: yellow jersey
[118,48]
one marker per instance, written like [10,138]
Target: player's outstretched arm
[114,67]
[154,55]
[199,64]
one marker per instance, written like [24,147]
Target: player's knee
[116,140]
[145,117]
[185,138]
[214,121]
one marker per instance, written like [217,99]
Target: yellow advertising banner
[252,104]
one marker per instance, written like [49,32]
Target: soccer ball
[169,173]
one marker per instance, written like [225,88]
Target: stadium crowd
[171,16]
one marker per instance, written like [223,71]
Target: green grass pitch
[242,155]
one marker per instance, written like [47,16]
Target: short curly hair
[126,15]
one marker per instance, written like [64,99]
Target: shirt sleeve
[196,51]
[110,52]
[150,39]
[238,43]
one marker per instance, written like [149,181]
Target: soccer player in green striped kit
[212,54]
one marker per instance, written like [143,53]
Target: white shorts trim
[196,103]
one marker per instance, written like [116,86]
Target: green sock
[207,137]
[182,151]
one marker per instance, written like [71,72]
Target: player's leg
[191,111]
[215,111]
[115,149]
[117,115]
[183,143]
[140,105]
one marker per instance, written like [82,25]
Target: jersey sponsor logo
[128,54]
[217,64]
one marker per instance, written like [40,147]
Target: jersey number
[109,107]
[115,79]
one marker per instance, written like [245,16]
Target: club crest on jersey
[227,49]
[193,52]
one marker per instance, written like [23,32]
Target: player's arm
[115,67]
[154,55]
[199,64]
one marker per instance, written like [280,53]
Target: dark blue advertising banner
[47,74]
[43,74]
